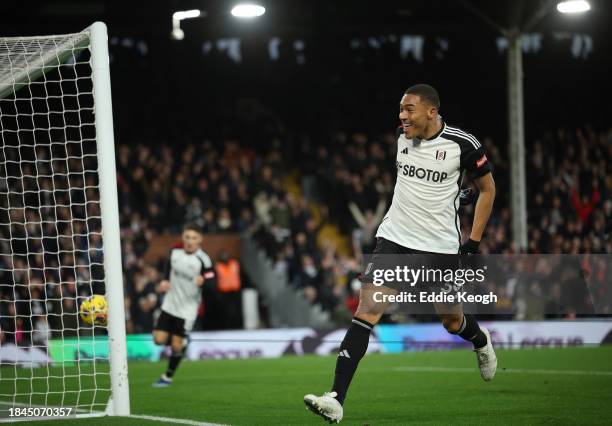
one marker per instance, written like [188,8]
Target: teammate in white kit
[432,158]
[188,268]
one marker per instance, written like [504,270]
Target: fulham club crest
[440,155]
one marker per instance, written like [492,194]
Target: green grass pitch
[534,386]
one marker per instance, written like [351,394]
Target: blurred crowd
[569,181]
[50,242]
[50,218]
[163,187]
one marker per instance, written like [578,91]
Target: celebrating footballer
[423,220]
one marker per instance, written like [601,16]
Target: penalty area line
[416,369]
[172,420]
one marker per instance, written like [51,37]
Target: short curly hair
[425,92]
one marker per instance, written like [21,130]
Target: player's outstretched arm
[484,205]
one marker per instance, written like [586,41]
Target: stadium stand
[312,221]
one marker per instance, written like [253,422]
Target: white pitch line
[172,420]
[415,369]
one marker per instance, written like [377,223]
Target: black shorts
[170,324]
[390,256]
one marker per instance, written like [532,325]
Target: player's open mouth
[406,126]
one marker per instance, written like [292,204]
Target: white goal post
[59,227]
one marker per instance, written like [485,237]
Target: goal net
[59,229]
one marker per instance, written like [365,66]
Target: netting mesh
[50,227]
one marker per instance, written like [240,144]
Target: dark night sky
[174,91]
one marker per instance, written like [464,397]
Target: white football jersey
[183,298]
[424,211]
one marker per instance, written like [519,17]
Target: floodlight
[186,14]
[573,6]
[248,10]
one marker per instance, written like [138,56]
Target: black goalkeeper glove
[469,247]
